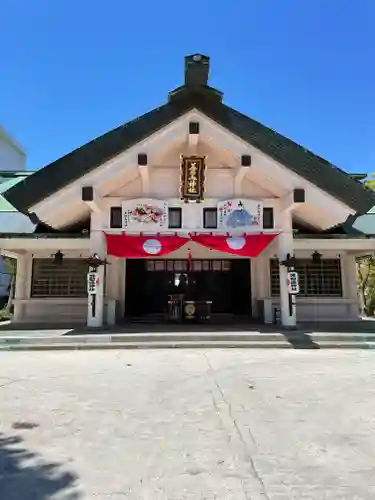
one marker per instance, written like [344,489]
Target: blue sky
[73,70]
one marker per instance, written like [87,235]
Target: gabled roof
[7,181]
[71,167]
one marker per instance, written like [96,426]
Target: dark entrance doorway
[226,283]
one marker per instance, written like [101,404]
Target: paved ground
[8,329]
[187,424]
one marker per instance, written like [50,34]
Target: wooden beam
[295,197]
[241,173]
[88,196]
[144,173]
[193,134]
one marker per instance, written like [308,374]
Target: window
[210,218]
[181,266]
[268,218]
[68,279]
[116,218]
[174,218]
[315,279]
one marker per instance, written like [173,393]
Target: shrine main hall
[191,212]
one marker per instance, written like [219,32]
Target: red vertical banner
[190,259]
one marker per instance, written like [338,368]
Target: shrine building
[191,212]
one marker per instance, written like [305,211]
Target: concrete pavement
[187,424]
[48,339]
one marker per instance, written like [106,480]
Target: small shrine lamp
[290,261]
[94,261]
[316,257]
[58,257]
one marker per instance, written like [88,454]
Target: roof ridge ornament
[197,68]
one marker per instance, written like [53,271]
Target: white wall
[164,184]
[319,308]
[129,190]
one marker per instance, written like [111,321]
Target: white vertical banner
[293,282]
[92,282]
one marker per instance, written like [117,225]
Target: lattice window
[68,279]
[315,279]
[182,265]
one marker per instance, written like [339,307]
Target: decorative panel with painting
[145,215]
[241,214]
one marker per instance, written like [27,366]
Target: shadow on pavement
[24,475]
[300,340]
[304,336]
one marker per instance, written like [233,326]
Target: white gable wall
[265,176]
[164,182]
[129,190]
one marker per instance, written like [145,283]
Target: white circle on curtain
[152,246]
[236,242]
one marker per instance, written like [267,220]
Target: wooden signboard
[193,172]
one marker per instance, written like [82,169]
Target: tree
[8,270]
[366,271]
[370,183]
[10,267]
[366,282]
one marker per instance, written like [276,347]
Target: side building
[12,171]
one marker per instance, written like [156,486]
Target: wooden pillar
[95,314]
[23,281]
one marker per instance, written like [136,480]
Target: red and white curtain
[248,245]
[129,246]
[140,246]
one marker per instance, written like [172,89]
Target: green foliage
[5,315]
[10,266]
[366,271]
[370,183]
[366,284]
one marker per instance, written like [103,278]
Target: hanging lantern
[94,261]
[58,257]
[316,257]
[290,261]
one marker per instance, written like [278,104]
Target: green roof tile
[5,206]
